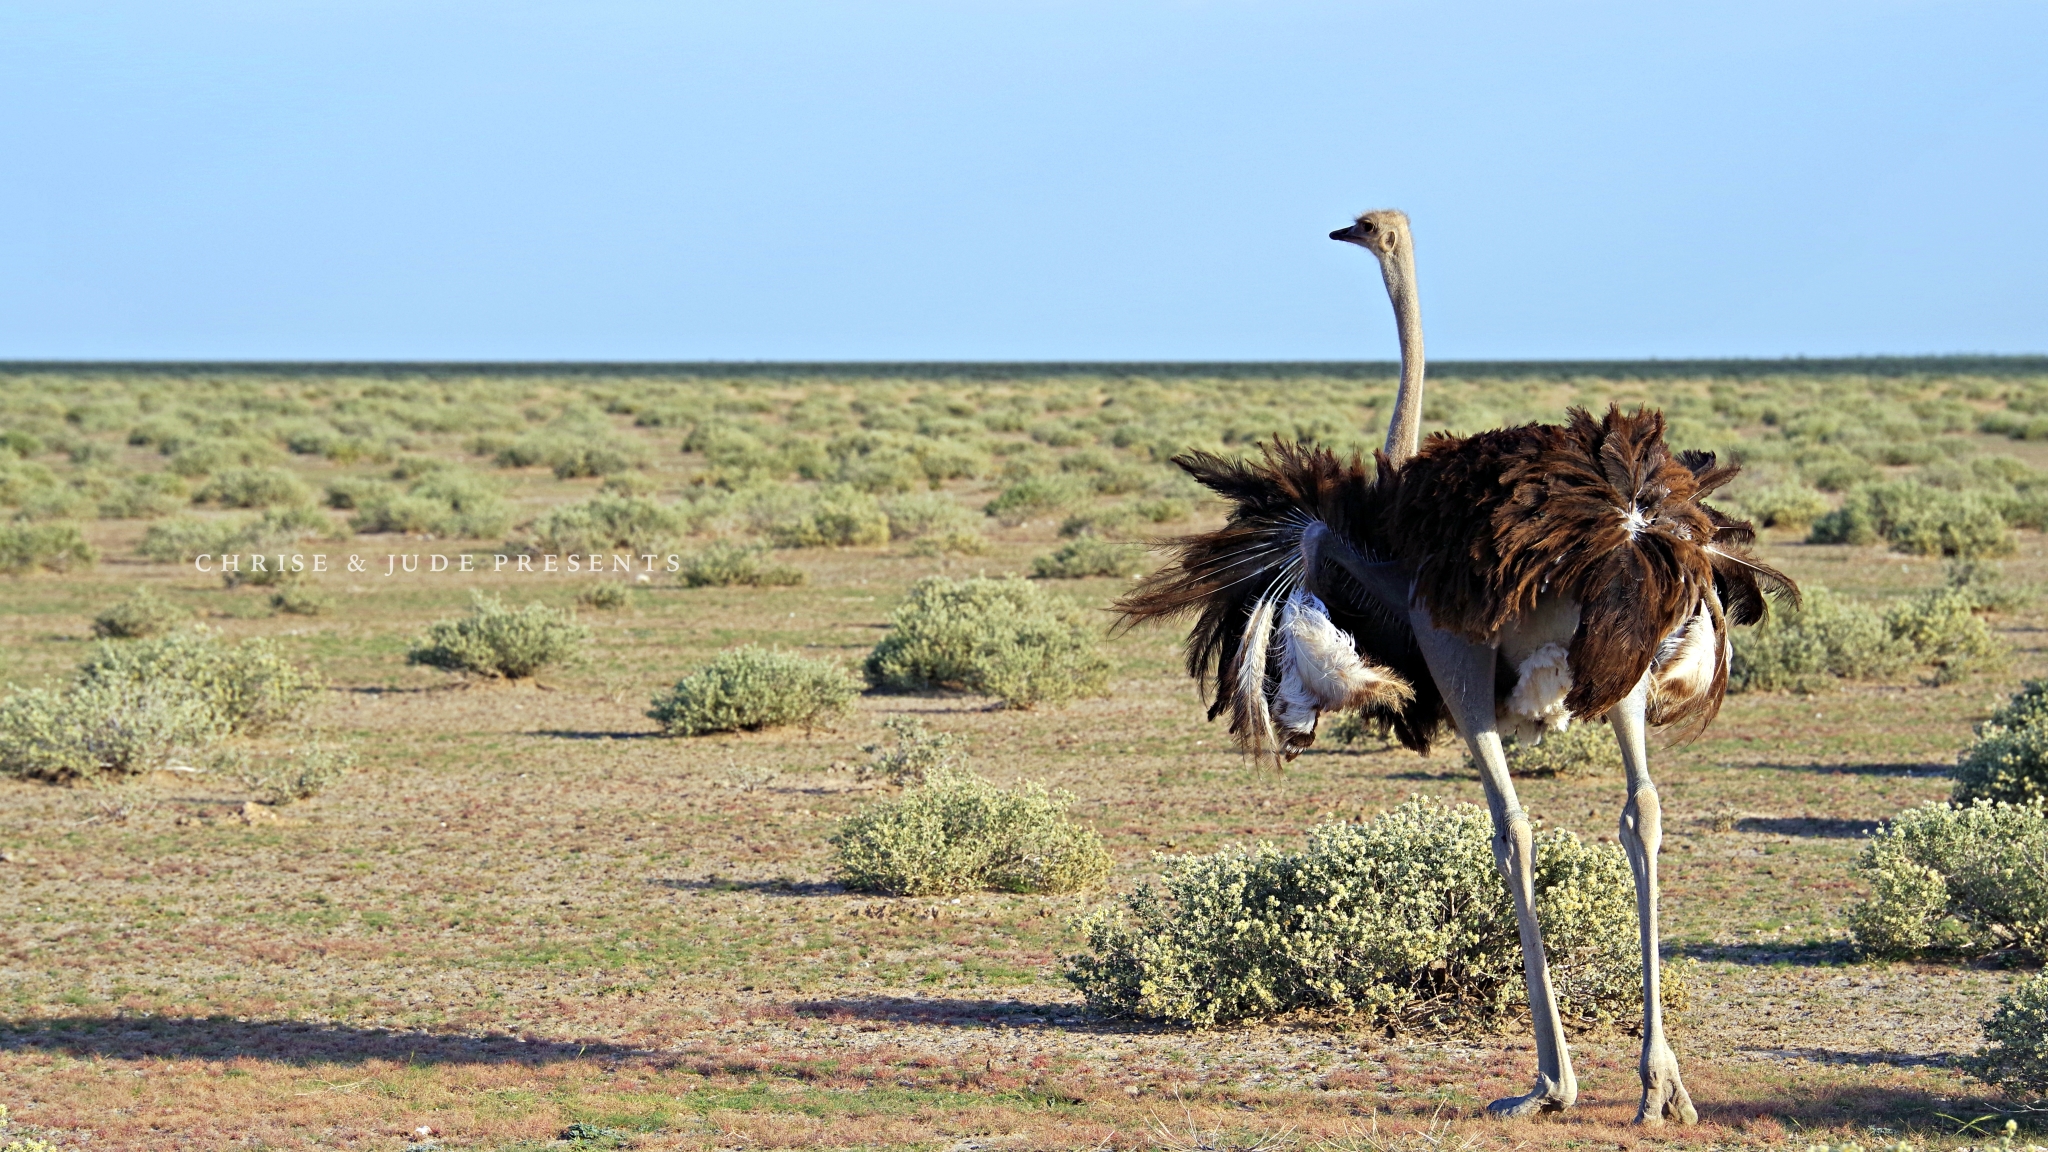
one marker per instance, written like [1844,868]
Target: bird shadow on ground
[963,1014]
[1826,954]
[582,734]
[282,1042]
[1866,769]
[1820,827]
[761,887]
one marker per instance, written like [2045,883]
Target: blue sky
[1028,180]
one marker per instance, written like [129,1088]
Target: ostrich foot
[1547,1096]
[1664,1095]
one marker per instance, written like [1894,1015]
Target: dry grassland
[523,909]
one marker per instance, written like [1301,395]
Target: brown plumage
[1599,512]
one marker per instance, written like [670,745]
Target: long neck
[1404,431]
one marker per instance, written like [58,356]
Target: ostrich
[1504,582]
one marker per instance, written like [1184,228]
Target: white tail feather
[1320,670]
[1251,674]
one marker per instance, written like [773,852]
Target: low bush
[143,614]
[52,547]
[138,704]
[295,599]
[726,563]
[605,596]
[251,687]
[1958,880]
[934,525]
[1401,917]
[1034,496]
[1088,556]
[957,832]
[91,729]
[496,641]
[1003,638]
[253,488]
[446,503]
[568,454]
[604,523]
[751,688]
[144,496]
[917,753]
[1806,646]
[180,538]
[1915,518]
[1787,505]
[1584,746]
[836,517]
[202,457]
[297,773]
[2015,1052]
[2009,760]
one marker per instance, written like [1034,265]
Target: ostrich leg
[1464,671]
[1642,833]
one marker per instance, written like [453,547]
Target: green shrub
[143,496]
[2015,1052]
[1806,646]
[2009,760]
[1917,519]
[447,503]
[751,688]
[726,563]
[495,641]
[1033,496]
[143,614]
[1788,505]
[837,517]
[604,523]
[1403,916]
[1116,520]
[917,754]
[298,773]
[98,727]
[1962,880]
[295,599]
[253,488]
[251,687]
[569,454]
[1584,746]
[181,538]
[605,596]
[53,547]
[1089,556]
[206,456]
[956,832]
[1002,638]
[934,525]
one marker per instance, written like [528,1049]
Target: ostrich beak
[1348,235]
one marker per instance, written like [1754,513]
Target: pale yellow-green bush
[751,688]
[1916,518]
[1584,746]
[837,517]
[1804,647]
[934,524]
[250,686]
[916,754]
[52,547]
[1401,917]
[1088,556]
[725,563]
[1004,638]
[253,488]
[145,613]
[2015,1052]
[495,641]
[605,523]
[1957,880]
[957,832]
[289,775]
[1783,505]
[2009,760]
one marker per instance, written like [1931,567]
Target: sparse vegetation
[1089,556]
[143,613]
[956,832]
[1584,746]
[2015,1052]
[751,688]
[1001,638]
[1961,880]
[496,641]
[725,563]
[916,754]
[1917,518]
[1400,917]
[1804,647]
[51,547]
[604,596]
[2009,760]
[297,773]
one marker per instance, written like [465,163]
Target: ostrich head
[1384,233]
